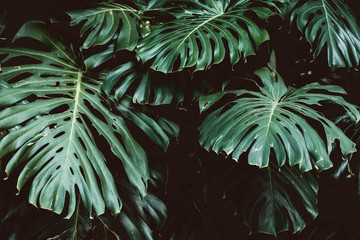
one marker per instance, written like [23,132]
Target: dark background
[191,168]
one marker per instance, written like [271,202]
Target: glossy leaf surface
[201,36]
[151,88]
[106,22]
[54,111]
[330,24]
[275,118]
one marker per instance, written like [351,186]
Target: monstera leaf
[140,218]
[108,21]
[275,119]
[147,86]
[330,23]
[56,116]
[151,88]
[19,223]
[202,35]
[350,166]
[268,207]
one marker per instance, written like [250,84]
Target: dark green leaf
[275,119]
[331,24]
[109,21]
[53,134]
[201,36]
[270,209]
[148,86]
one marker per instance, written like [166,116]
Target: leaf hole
[90,91]
[56,65]
[49,75]
[216,30]
[72,171]
[19,60]
[59,150]
[67,119]
[60,109]
[20,77]
[70,84]
[59,134]
[64,60]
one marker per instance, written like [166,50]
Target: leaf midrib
[327,20]
[272,110]
[75,113]
[196,28]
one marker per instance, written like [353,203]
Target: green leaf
[99,58]
[154,130]
[148,86]
[331,24]
[270,208]
[201,36]
[19,223]
[54,112]
[275,119]
[141,217]
[147,215]
[109,21]
[135,218]
[349,166]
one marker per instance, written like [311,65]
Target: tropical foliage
[117,119]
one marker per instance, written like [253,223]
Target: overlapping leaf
[108,21]
[270,208]
[275,119]
[147,86]
[20,223]
[201,36]
[54,112]
[140,218]
[350,166]
[331,24]
[151,88]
